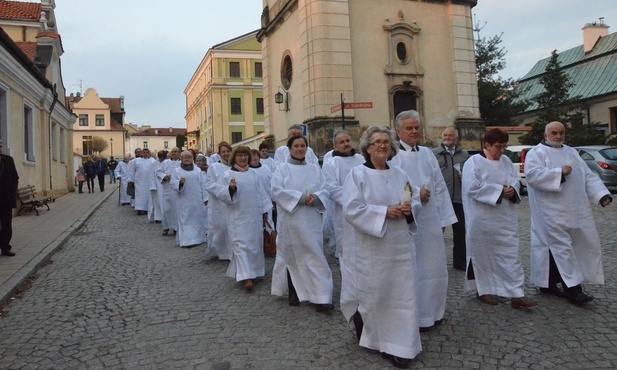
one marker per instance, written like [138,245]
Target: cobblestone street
[119,295]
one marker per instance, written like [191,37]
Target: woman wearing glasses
[247,204]
[378,290]
[298,194]
[490,193]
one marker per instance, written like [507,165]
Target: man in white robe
[122,174]
[155,213]
[169,220]
[565,246]
[335,171]
[218,240]
[421,166]
[131,174]
[264,157]
[187,183]
[282,153]
[142,172]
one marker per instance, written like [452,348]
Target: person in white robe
[218,241]
[131,174]
[155,213]
[239,188]
[264,156]
[169,220]
[186,180]
[378,286]
[122,174]
[328,222]
[282,153]
[202,163]
[298,193]
[422,167]
[490,194]
[334,171]
[142,171]
[565,246]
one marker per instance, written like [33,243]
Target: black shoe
[165,232]
[293,296]
[398,362]
[425,329]
[8,253]
[580,298]
[175,232]
[324,307]
[553,291]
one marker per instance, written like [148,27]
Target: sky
[148,50]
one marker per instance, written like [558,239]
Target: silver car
[601,159]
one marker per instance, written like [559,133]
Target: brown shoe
[488,299]
[248,285]
[522,302]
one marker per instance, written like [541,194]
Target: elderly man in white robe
[218,240]
[122,174]
[299,195]
[282,153]
[335,171]
[155,213]
[142,170]
[239,188]
[565,246]
[169,220]
[186,181]
[422,167]
[378,286]
[490,193]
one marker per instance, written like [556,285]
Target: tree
[499,98]
[98,144]
[555,104]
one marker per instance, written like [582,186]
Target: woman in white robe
[265,176]
[378,288]
[186,181]
[169,220]
[297,191]
[122,173]
[218,243]
[202,163]
[490,193]
[240,190]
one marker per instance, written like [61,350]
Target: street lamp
[111,143]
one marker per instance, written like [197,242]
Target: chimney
[592,32]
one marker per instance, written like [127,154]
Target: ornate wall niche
[403,51]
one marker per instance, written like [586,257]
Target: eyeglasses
[381,143]
[500,146]
[242,155]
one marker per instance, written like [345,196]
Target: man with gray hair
[282,153]
[431,265]
[451,158]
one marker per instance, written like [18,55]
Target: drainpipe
[51,109]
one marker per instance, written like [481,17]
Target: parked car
[517,154]
[602,160]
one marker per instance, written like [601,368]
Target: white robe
[561,216]
[155,212]
[218,242]
[281,155]
[300,237]
[378,268]
[122,173]
[244,218]
[141,175]
[335,171]
[431,263]
[268,162]
[492,229]
[265,177]
[169,218]
[189,206]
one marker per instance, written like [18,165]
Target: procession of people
[389,207]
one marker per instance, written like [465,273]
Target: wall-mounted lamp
[279,99]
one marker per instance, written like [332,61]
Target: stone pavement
[119,295]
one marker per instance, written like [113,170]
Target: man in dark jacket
[112,164]
[8,200]
[100,165]
[451,159]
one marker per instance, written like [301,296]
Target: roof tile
[20,10]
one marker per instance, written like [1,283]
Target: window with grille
[99,120]
[259,104]
[234,69]
[236,106]
[258,70]
[236,137]
[83,120]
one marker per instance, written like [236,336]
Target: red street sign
[356,105]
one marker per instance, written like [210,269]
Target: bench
[30,202]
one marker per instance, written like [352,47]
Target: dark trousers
[459,251]
[6,220]
[554,277]
[101,177]
[90,181]
[81,186]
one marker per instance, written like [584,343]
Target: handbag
[269,240]
[130,189]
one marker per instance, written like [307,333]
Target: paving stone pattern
[118,295]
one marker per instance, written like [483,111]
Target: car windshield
[610,153]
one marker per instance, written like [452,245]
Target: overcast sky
[147,50]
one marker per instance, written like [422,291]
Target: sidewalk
[35,238]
